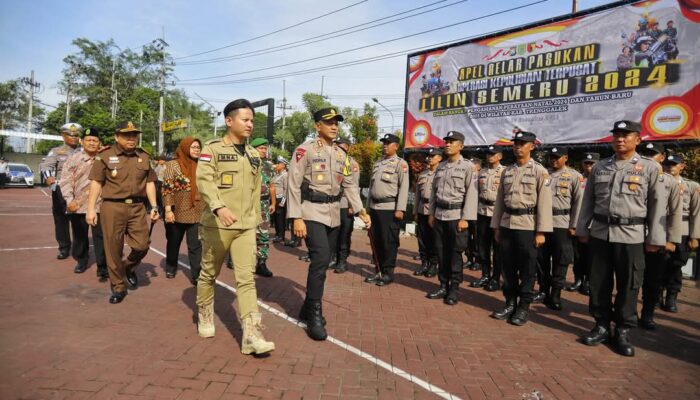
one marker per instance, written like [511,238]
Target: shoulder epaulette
[107,147]
[215,140]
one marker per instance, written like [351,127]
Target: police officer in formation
[622,194]
[581,255]
[453,203]
[51,169]
[522,216]
[489,181]
[319,175]
[347,219]
[424,192]
[388,196]
[280,181]
[229,179]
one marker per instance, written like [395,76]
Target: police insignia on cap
[622,125]
[589,157]
[519,135]
[554,150]
[650,146]
[386,136]
[491,147]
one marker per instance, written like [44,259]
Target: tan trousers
[241,244]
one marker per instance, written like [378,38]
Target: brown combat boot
[253,339]
[205,322]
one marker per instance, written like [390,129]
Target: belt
[316,197]
[612,220]
[521,211]
[384,200]
[130,200]
[449,206]
[561,211]
[487,202]
[686,218]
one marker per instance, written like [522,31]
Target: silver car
[20,175]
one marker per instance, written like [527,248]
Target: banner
[566,81]
[172,125]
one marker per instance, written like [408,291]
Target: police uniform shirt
[454,184]
[671,194]
[524,187]
[280,182]
[227,178]
[424,191]
[123,174]
[323,168]
[389,182]
[489,179]
[566,195]
[56,158]
[689,189]
[694,212]
[624,189]
[355,180]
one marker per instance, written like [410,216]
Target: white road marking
[44,192]
[374,360]
[30,248]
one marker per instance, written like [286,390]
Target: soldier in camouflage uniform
[267,208]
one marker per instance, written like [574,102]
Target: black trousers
[347,223]
[621,264]
[385,231]
[673,271]
[61,221]
[484,235]
[320,239]
[450,245]
[280,221]
[581,261]
[426,236]
[554,259]
[519,264]
[80,248]
[655,264]
[472,247]
[174,233]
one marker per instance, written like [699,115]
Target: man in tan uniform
[320,174]
[426,234]
[229,179]
[123,174]
[522,216]
[621,197]
[347,214]
[388,195]
[453,203]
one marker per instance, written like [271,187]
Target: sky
[37,35]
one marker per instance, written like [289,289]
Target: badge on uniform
[205,157]
[226,179]
[114,160]
[299,154]
[114,173]
[140,160]
[227,157]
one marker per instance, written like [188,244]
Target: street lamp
[374,99]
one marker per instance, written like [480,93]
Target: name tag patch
[226,157]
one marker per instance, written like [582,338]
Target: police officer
[347,219]
[690,204]
[51,169]
[280,182]
[229,179]
[424,191]
[319,175]
[522,216]
[75,186]
[453,203]
[126,180]
[388,195]
[472,253]
[581,255]
[621,194]
[268,201]
[489,180]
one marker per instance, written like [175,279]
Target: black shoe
[305,258]
[481,282]
[102,274]
[385,280]
[277,239]
[599,334]
[117,297]
[170,271]
[505,312]
[623,345]
[293,243]
[80,268]
[451,298]
[315,324]
[432,270]
[170,275]
[333,263]
[373,278]
[424,266]
[304,313]
[539,297]
[574,286]
[660,299]
[475,267]
[261,270]
[670,304]
[440,293]
[341,267]
[585,288]
[494,285]
[553,301]
[193,281]
[520,316]
[647,321]
[62,255]
[132,280]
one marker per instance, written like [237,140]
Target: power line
[273,32]
[323,37]
[365,46]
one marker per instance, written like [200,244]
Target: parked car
[20,175]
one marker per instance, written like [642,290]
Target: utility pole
[33,85]
[162,44]
[114,91]
[574,6]
[213,113]
[284,107]
[374,99]
[322,79]
[140,127]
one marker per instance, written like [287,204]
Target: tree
[366,153]
[14,107]
[314,102]
[363,126]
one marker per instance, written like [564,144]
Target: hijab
[188,165]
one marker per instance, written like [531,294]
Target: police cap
[454,135]
[327,114]
[390,138]
[127,128]
[626,126]
[524,136]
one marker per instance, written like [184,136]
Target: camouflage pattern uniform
[262,233]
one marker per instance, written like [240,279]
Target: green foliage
[314,102]
[44,146]
[14,107]
[366,153]
[692,162]
[363,126]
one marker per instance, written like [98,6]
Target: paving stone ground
[61,339]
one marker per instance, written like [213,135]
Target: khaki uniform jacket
[123,175]
[524,187]
[566,195]
[454,183]
[226,178]
[424,191]
[56,158]
[631,190]
[75,182]
[355,180]
[489,180]
[323,168]
[389,180]
[690,192]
